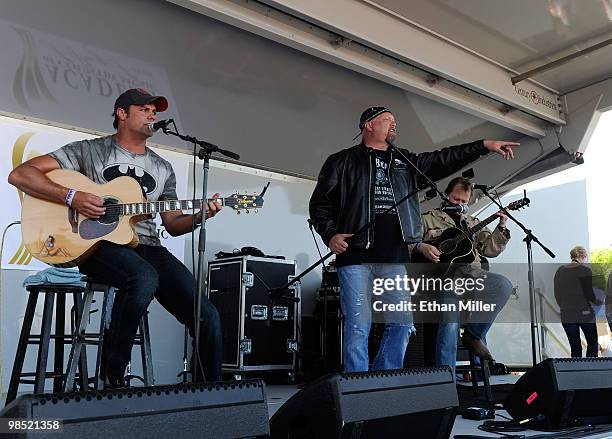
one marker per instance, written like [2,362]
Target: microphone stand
[529,238]
[279,292]
[205,152]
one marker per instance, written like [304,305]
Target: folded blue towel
[55,275]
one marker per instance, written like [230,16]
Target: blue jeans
[356,287]
[140,274]
[497,290]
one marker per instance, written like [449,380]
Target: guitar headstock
[240,202]
[518,204]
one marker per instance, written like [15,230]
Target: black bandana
[369,114]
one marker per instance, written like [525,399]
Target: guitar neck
[478,227]
[162,206]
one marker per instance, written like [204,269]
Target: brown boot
[476,345]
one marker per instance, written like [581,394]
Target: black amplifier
[259,332]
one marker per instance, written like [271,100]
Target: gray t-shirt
[103,160]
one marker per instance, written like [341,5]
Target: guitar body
[452,251]
[456,246]
[58,235]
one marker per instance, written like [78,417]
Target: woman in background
[575,296]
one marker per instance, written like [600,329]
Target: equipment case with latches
[258,333]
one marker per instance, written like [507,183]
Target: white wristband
[70,196]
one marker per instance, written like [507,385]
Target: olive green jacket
[488,243]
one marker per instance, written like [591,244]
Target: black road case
[258,333]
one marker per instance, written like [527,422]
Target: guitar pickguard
[92,229]
[97,228]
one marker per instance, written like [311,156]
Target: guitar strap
[460,222]
[464,225]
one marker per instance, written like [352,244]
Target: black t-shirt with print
[389,245]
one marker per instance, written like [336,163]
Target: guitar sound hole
[112,211]
[447,246]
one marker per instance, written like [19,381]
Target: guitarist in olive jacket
[496,288]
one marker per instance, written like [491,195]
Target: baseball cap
[139,96]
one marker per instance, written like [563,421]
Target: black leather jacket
[343,200]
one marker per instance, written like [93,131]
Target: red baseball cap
[139,96]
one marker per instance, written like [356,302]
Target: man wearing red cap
[356,185]
[149,270]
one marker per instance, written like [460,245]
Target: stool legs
[43,347]
[473,373]
[22,346]
[83,370]
[105,316]
[486,373]
[54,297]
[60,322]
[78,343]
[81,338]
[145,350]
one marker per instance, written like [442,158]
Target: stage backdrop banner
[21,141]
[58,79]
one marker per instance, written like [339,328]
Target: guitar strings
[161,205]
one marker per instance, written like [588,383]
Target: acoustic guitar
[57,235]
[457,246]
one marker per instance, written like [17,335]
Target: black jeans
[140,274]
[590,333]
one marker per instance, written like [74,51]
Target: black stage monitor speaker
[564,391]
[217,410]
[420,403]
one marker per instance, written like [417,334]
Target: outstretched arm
[444,162]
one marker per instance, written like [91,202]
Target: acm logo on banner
[21,257]
[64,80]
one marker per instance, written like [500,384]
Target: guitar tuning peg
[247,211]
[256,211]
[237,212]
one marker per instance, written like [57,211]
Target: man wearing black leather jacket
[354,186]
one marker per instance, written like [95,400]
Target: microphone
[456,208]
[482,187]
[160,124]
[214,147]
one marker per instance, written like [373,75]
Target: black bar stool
[83,338]
[473,368]
[60,339]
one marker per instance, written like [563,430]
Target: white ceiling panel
[522,34]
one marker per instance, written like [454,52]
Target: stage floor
[278,394]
